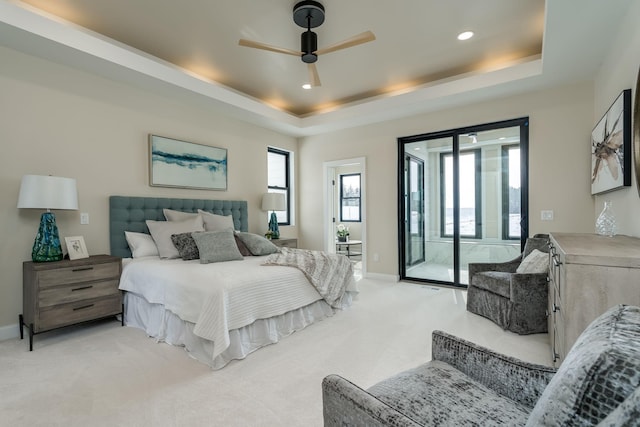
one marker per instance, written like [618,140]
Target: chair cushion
[600,372]
[497,282]
[438,394]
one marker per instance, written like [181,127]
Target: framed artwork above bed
[182,164]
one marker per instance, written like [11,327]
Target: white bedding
[218,297]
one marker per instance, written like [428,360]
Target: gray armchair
[465,384]
[515,301]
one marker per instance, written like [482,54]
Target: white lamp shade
[273,202]
[48,192]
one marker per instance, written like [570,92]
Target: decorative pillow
[161,232]
[241,246]
[171,215]
[257,244]
[213,222]
[186,246]
[217,246]
[141,244]
[535,262]
[600,372]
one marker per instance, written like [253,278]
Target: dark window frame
[359,198]
[477,160]
[287,188]
[506,200]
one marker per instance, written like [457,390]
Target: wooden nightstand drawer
[77,292]
[79,311]
[77,274]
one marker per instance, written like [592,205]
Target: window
[278,180]
[511,192]
[350,197]
[470,212]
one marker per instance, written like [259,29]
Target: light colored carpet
[106,375]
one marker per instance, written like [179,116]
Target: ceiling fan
[310,14]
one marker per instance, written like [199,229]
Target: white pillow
[141,244]
[171,215]
[535,262]
[213,222]
[161,232]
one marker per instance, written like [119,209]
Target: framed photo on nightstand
[76,247]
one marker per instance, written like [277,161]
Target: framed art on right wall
[611,147]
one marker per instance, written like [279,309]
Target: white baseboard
[385,277]
[9,332]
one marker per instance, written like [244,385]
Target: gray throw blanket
[331,274]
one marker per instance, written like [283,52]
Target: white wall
[55,120]
[619,71]
[559,141]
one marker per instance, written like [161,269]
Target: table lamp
[273,202]
[47,192]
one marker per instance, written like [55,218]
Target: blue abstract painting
[176,163]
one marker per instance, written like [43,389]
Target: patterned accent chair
[510,295]
[598,383]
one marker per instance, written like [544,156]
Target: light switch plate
[546,215]
[84,218]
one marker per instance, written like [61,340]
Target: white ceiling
[189,50]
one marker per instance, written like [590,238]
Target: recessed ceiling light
[306,86]
[465,35]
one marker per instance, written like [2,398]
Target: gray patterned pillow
[256,244]
[217,246]
[186,246]
[242,247]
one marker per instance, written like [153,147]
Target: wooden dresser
[64,293]
[588,274]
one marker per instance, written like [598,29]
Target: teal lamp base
[273,226]
[47,244]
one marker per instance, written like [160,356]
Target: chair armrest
[515,379]
[507,267]
[531,288]
[346,404]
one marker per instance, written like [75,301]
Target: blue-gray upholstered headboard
[130,213]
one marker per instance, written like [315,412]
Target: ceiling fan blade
[258,45]
[365,37]
[314,78]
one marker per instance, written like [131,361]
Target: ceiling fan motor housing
[309,41]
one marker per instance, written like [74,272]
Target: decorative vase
[606,222]
[342,238]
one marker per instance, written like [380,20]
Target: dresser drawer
[77,274]
[80,311]
[77,292]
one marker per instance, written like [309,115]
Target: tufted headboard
[130,213]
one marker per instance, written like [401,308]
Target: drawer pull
[83,307]
[82,288]
[82,269]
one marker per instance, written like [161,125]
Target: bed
[220,311]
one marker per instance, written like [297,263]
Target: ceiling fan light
[466,35]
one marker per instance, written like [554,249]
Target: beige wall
[619,71]
[58,121]
[560,124]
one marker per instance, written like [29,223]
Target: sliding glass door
[462,199]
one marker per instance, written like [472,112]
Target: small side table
[345,248]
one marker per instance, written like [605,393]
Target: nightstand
[285,243]
[64,293]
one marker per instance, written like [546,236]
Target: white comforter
[218,297]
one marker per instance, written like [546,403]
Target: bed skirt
[166,327]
